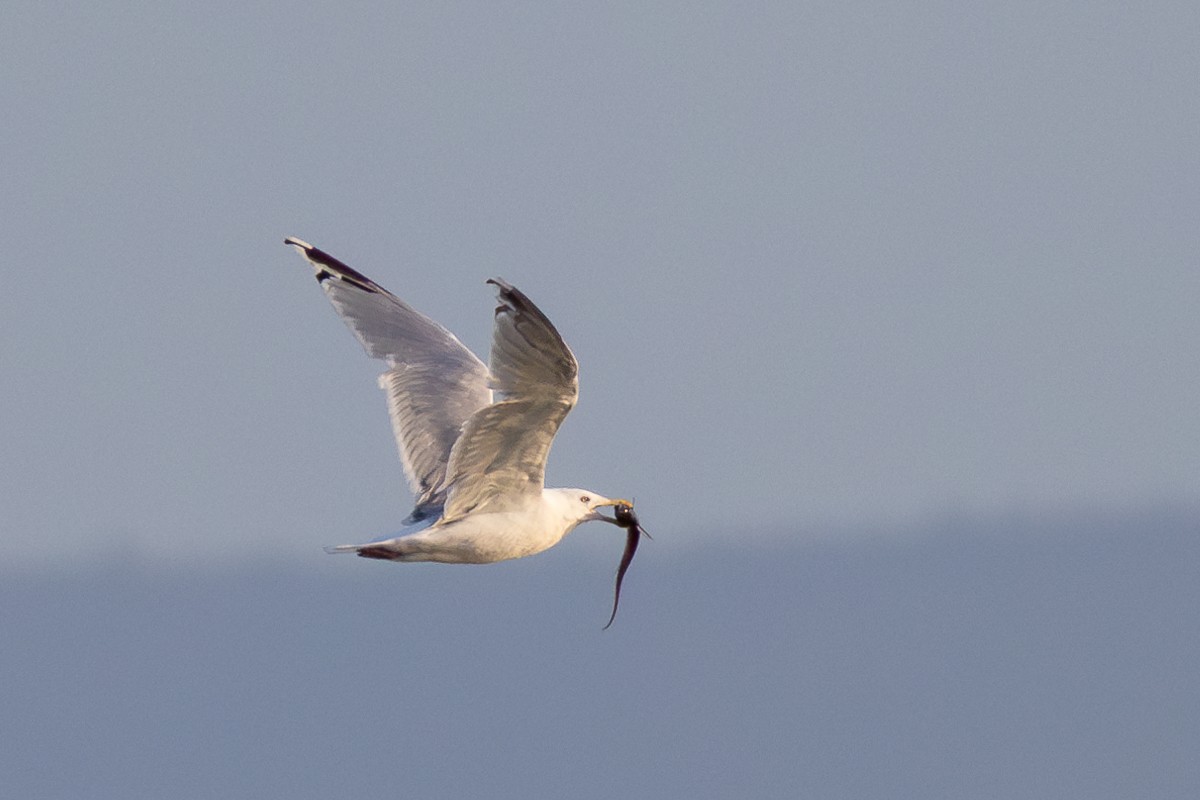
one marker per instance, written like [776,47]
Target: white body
[488,537]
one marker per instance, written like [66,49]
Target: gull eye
[585,499]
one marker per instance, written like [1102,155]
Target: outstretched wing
[433,385]
[500,458]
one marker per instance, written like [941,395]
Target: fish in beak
[603,503]
[627,519]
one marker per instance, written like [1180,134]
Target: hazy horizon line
[134,553]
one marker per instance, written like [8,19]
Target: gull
[473,438]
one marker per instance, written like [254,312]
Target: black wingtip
[518,302]
[330,267]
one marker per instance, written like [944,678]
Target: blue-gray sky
[822,264]
[886,316]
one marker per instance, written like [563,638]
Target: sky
[868,279]
[821,263]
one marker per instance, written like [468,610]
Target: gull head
[580,505]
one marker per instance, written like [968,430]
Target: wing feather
[434,383]
[499,460]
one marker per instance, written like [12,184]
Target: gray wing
[433,385]
[500,458]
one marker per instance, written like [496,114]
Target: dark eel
[628,520]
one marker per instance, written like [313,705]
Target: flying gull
[473,438]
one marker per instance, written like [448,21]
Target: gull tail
[368,551]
